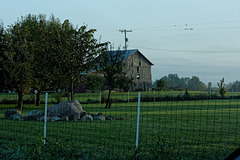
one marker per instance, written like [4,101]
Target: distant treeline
[175,83]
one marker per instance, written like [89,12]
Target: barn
[138,67]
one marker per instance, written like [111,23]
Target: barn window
[137,69]
[140,64]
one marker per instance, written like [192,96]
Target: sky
[185,37]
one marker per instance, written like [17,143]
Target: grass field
[96,97]
[206,129]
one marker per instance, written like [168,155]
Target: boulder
[41,119]
[54,119]
[9,112]
[83,114]
[87,118]
[34,115]
[72,110]
[64,118]
[16,117]
[98,114]
[99,118]
[109,117]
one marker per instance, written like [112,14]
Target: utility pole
[125,35]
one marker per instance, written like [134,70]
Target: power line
[193,24]
[189,51]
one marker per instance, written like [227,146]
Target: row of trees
[41,54]
[173,82]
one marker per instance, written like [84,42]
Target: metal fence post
[138,114]
[45,119]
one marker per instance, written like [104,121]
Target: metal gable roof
[128,53]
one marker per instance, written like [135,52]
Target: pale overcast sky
[187,37]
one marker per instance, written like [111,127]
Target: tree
[94,82]
[42,70]
[112,66]
[195,84]
[18,61]
[125,83]
[161,84]
[236,86]
[2,50]
[77,49]
[174,82]
[209,88]
[221,87]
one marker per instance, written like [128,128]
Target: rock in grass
[99,118]
[54,119]
[17,117]
[72,109]
[87,118]
[65,118]
[42,119]
[34,115]
[9,112]
[109,117]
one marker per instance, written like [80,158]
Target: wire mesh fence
[168,128]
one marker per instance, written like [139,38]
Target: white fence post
[138,114]
[45,119]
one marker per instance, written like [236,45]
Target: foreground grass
[168,130]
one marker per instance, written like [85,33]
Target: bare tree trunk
[38,97]
[20,100]
[108,103]
[72,88]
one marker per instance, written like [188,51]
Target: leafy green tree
[173,80]
[125,83]
[221,87]
[42,75]
[195,84]
[56,59]
[2,50]
[161,84]
[236,86]
[18,65]
[112,66]
[76,53]
[185,82]
[94,82]
[209,86]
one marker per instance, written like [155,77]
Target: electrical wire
[190,51]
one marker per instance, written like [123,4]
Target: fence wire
[172,128]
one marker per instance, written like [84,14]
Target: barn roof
[128,53]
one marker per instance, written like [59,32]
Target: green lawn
[207,129]
[96,97]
